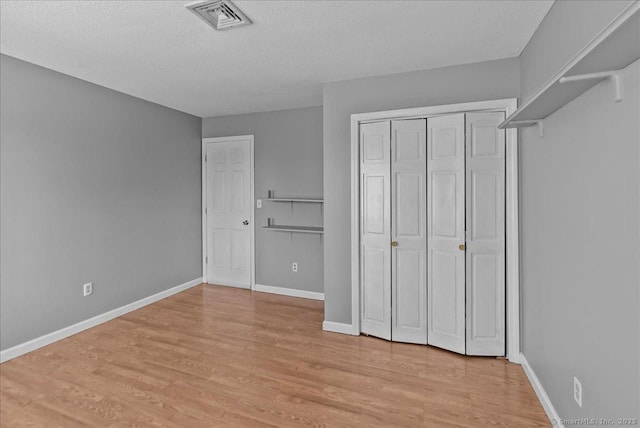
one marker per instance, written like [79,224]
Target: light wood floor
[215,356]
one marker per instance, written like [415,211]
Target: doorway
[227,211]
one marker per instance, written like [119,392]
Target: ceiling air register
[220,14]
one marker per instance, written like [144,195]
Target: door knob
[394,243]
[246,222]
[462,247]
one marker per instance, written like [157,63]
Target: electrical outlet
[577,391]
[294,267]
[87,289]
[259,203]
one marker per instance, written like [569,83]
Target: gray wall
[288,160]
[580,231]
[95,186]
[470,82]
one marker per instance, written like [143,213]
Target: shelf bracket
[613,76]
[523,123]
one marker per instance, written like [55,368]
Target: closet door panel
[375,268]
[408,188]
[409,309]
[485,254]
[375,229]
[446,232]
[408,230]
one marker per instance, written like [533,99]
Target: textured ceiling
[161,52]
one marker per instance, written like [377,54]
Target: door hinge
[205,158]
[206,259]
[205,210]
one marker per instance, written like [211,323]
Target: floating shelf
[305,200]
[299,229]
[613,49]
[287,228]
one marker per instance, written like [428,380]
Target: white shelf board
[614,48]
[300,229]
[306,200]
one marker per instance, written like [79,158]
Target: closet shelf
[299,229]
[611,50]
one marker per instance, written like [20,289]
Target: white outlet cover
[577,391]
[87,289]
[294,267]
[259,203]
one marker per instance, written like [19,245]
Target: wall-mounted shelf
[611,50]
[298,229]
[289,228]
[304,200]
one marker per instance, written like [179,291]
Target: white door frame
[508,105]
[232,139]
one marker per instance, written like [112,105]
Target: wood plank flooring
[221,357]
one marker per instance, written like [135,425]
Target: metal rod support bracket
[522,123]
[613,76]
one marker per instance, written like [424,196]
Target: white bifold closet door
[485,254]
[393,230]
[466,217]
[409,231]
[446,226]
[432,206]
[375,229]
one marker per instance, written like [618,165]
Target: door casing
[508,106]
[231,139]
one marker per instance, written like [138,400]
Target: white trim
[338,327]
[355,225]
[422,112]
[553,416]
[508,106]
[289,292]
[512,242]
[65,332]
[252,229]
[203,175]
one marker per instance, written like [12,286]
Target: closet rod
[613,75]
[525,123]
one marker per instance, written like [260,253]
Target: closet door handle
[462,247]
[394,243]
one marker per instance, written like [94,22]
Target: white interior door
[485,255]
[228,194]
[375,229]
[446,229]
[408,231]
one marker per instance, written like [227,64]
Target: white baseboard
[65,332]
[338,327]
[290,292]
[541,393]
[514,358]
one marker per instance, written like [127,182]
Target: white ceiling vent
[220,14]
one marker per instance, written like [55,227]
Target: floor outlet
[577,391]
[87,289]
